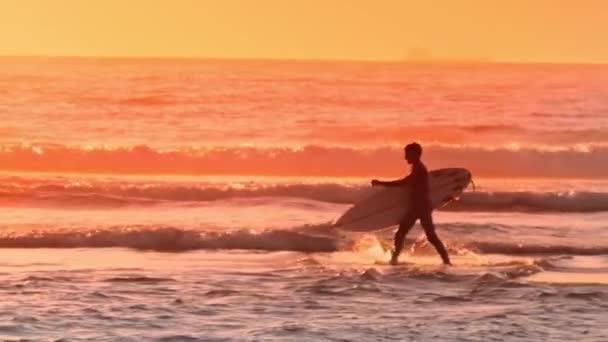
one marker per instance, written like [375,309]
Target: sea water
[193,200]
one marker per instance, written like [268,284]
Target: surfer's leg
[404,227]
[426,221]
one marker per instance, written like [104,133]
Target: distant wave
[572,162]
[488,134]
[117,195]
[313,239]
[150,100]
[111,195]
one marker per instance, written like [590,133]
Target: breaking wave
[568,162]
[578,202]
[74,194]
[516,249]
[170,239]
[309,239]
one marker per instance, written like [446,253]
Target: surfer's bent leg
[426,220]
[404,227]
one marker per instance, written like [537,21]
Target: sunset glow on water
[192,198]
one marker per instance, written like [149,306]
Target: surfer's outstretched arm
[398,182]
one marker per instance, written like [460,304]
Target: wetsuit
[421,208]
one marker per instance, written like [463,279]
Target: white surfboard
[387,205]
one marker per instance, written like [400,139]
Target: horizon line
[306,60]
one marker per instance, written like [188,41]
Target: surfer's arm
[395,183]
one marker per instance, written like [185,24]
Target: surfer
[421,208]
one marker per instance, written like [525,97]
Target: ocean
[193,200]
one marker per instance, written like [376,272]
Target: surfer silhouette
[420,208]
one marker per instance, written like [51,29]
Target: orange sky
[505,30]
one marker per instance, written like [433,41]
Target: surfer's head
[413,152]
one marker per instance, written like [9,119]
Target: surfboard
[386,206]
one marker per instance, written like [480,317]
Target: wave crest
[572,162]
[308,239]
[14,192]
[525,201]
[171,239]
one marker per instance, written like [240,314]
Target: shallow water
[246,267]
[117,294]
